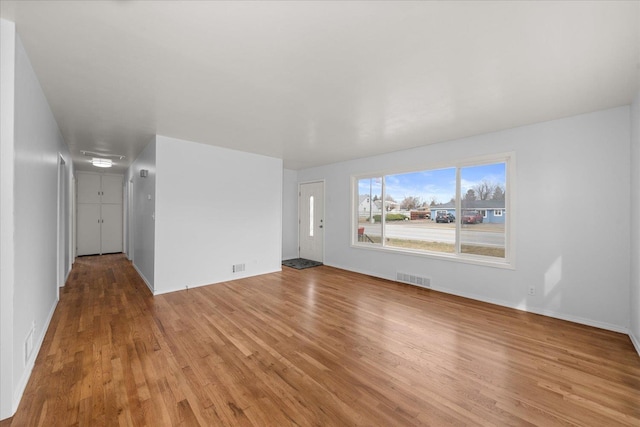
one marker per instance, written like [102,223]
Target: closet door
[89,188]
[112,189]
[111,228]
[89,225]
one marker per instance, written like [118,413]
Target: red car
[472,217]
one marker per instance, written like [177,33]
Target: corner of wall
[635,341]
[634,250]
[141,215]
[289,214]
[7,109]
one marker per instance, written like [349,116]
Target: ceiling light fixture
[102,163]
[92,154]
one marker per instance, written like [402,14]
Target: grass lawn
[442,247]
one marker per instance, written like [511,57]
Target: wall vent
[238,268]
[412,279]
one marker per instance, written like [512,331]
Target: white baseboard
[575,319]
[540,311]
[144,279]
[237,276]
[635,341]
[22,383]
[529,309]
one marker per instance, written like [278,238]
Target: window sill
[466,259]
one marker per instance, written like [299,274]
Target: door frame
[62,226]
[129,216]
[324,209]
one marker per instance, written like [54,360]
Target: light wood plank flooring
[316,347]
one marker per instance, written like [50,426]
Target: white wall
[566,171]
[7,109]
[32,294]
[634,328]
[197,241]
[143,211]
[289,214]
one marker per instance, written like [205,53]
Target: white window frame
[497,212]
[507,262]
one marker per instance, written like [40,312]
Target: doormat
[300,263]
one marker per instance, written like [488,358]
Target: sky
[439,183]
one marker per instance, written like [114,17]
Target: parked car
[445,217]
[472,217]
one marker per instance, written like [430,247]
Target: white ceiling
[319,82]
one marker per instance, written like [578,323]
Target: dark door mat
[300,263]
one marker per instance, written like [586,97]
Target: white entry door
[311,233]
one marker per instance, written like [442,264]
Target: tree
[375,198]
[434,201]
[498,193]
[484,190]
[471,195]
[410,202]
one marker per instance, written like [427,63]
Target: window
[368,211]
[458,211]
[412,193]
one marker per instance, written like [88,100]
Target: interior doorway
[129,213]
[311,230]
[63,226]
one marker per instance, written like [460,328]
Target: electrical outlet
[532,290]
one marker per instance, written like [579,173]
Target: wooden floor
[316,347]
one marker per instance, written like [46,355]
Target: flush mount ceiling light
[93,154]
[101,163]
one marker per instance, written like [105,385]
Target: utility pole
[371,200]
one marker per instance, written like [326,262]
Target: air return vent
[238,268]
[412,279]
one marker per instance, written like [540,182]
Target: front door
[311,232]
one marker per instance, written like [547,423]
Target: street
[474,234]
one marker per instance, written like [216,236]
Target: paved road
[437,233]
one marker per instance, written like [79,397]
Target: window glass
[369,211]
[459,211]
[413,201]
[483,189]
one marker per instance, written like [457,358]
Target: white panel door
[311,232]
[89,224]
[89,188]
[111,228]
[111,189]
